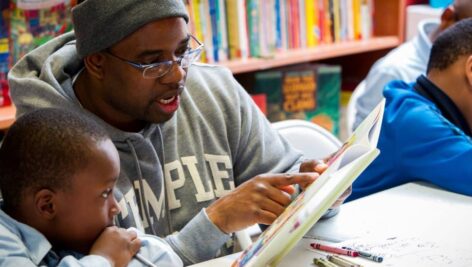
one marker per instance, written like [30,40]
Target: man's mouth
[169,105]
[167,100]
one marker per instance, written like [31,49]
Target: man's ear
[45,203]
[448,18]
[94,64]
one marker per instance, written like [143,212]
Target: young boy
[57,175]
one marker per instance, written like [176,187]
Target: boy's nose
[115,208]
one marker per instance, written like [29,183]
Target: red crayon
[334,250]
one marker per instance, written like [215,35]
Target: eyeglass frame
[169,63]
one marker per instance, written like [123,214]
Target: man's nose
[175,74]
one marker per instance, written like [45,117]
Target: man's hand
[117,245]
[320,166]
[260,200]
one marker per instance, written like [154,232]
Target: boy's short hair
[44,149]
[454,42]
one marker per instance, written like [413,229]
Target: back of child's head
[44,149]
[451,44]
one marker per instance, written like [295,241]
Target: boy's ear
[45,203]
[94,64]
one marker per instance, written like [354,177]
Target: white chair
[314,141]
[351,107]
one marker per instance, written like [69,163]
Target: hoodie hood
[45,77]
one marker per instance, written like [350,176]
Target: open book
[343,168]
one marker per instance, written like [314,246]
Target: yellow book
[337,21]
[197,23]
[310,23]
[233,35]
[356,6]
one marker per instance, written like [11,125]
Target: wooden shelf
[312,54]
[7,116]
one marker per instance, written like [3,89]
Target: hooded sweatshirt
[424,137]
[171,171]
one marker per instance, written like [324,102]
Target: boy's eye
[107,193]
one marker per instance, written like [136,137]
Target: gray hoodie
[170,172]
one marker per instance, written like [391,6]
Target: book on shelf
[236,29]
[343,168]
[308,91]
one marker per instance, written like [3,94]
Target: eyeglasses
[159,69]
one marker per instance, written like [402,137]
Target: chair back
[313,140]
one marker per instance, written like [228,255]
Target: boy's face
[87,206]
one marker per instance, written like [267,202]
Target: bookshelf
[355,57]
[7,116]
[320,52]
[388,33]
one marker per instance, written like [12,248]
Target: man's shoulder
[203,70]
[213,79]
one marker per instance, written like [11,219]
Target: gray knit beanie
[99,24]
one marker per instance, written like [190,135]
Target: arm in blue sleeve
[435,151]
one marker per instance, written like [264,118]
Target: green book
[309,92]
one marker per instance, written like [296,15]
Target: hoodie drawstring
[140,179]
[166,204]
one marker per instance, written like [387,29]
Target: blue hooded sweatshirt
[424,137]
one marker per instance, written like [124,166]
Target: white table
[411,225]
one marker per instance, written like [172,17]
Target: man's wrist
[214,217]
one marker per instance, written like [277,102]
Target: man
[426,131]
[409,60]
[195,129]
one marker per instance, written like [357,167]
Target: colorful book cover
[284,24]
[252,13]
[302,23]
[312,23]
[336,17]
[308,92]
[328,30]
[237,29]
[4,51]
[343,168]
[356,13]
[32,28]
[222,30]
[207,30]
[367,9]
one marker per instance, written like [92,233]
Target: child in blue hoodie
[426,130]
[57,177]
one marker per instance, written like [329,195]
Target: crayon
[323,263]
[334,250]
[366,255]
[342,262]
